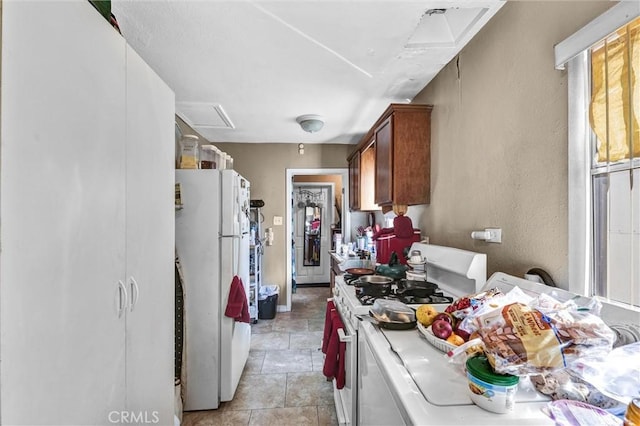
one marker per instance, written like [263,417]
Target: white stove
[456,272]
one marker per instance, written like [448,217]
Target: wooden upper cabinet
[368,178]
[384,163]
[362,178]
[392,163]
[403,155]
[354,181]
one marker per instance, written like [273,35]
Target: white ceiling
[242,71]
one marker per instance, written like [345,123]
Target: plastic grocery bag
[563,384]
[524,339]
[482,303]
[616,376]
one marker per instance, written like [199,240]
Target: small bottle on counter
[337,242]
[632,416]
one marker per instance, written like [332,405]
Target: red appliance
[401,236]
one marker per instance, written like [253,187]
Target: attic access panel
[204,115]
[446,27]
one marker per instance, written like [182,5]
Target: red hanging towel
[334,359]
[237,305]
[327,326]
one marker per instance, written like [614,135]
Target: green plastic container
[492,391]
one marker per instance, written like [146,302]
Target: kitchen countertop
[430,386]
[426,364]
[443,378]
[351,262]
[338,258]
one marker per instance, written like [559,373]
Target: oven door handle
[343,337]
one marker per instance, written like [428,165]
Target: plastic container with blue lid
[489,390]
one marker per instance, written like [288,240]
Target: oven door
[376,400]
[346,398]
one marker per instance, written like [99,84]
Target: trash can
[268,301]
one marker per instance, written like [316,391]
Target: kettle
[394,269]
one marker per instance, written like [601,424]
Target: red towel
[334,358]
[327,326]
[237,305]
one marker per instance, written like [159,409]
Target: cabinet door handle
[135,293]
[122,298]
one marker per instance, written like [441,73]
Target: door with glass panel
[313,216]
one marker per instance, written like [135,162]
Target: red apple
[444,316]
[441,329]
[465,335]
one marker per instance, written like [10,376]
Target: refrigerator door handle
[235,256]
[135,293]
[122,298]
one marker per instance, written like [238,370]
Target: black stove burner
[368,294]
[350,279]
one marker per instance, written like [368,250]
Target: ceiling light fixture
[310,122]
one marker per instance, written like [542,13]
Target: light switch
[277,220]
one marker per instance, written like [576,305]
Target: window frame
[574,51]
[580,202]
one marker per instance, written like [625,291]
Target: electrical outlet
[277,220]
[495,235]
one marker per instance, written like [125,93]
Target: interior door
[150,241]
[312,232]
[63,215]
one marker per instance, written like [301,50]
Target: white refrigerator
[212,243]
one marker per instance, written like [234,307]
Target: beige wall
[499,140]
[499,146]
[264,165]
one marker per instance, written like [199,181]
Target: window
[604,155]
[615,169]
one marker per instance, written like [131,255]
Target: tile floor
[282,383]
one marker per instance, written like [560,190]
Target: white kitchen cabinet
[150,234]
[73,222]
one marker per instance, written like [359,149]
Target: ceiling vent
[204,115]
